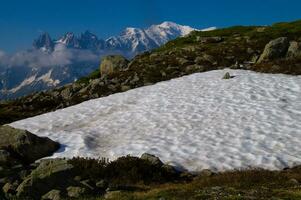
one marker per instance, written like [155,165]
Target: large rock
[24,146]
[275,49]
[50,174]
[154,160]
[294,50]
[110,64]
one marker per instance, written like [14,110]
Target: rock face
[24,146]
[275,49]
[50,174]
[111,64]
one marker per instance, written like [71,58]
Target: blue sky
[22,21]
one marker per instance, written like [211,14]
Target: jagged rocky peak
[44,42]
[90,41]
[70,40]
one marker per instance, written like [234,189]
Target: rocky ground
[23,178]
[126,178]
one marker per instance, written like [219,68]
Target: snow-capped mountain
[130,42]
[55,62]
[135,40]
[44,42]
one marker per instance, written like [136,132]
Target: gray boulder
[24,145]
[205,58]
[9,189]
[194,68]
[76,192]
[50,174]
[205,40]
[152,159]
[275,49]
[227,76]
[52,195]
[294,50]
[110,64]
[67,92]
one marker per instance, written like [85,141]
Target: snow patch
[46,78]
[199,122]
[24,83]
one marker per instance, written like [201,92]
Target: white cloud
[61,56]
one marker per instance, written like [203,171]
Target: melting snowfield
[197,122]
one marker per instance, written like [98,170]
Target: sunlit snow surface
[198,121]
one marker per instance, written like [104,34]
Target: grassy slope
[236,185]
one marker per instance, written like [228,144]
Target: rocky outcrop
[22,146]
[50,174]
[110,64]
[275,49]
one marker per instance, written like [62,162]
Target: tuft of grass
[125,170]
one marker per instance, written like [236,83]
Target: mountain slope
[235,47]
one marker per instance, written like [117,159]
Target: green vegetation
[94,75]
[263,34]
[126,170]
[235,185]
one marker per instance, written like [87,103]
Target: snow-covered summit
[130,42]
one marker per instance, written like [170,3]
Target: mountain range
[55,62]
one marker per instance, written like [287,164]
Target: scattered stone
[206,173]
[112,194]
[110,64]
[77,178]
[102,184]
[52,173]
[125,88]
[205,40]
[75,192]
[9,188]
[227,76]
[52,195]
[275,67]
[293,181]
[134,79]
[67,92]
[182,61]
[294,50]
[154,160]
[88,184]
[194,68]
[275,49]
